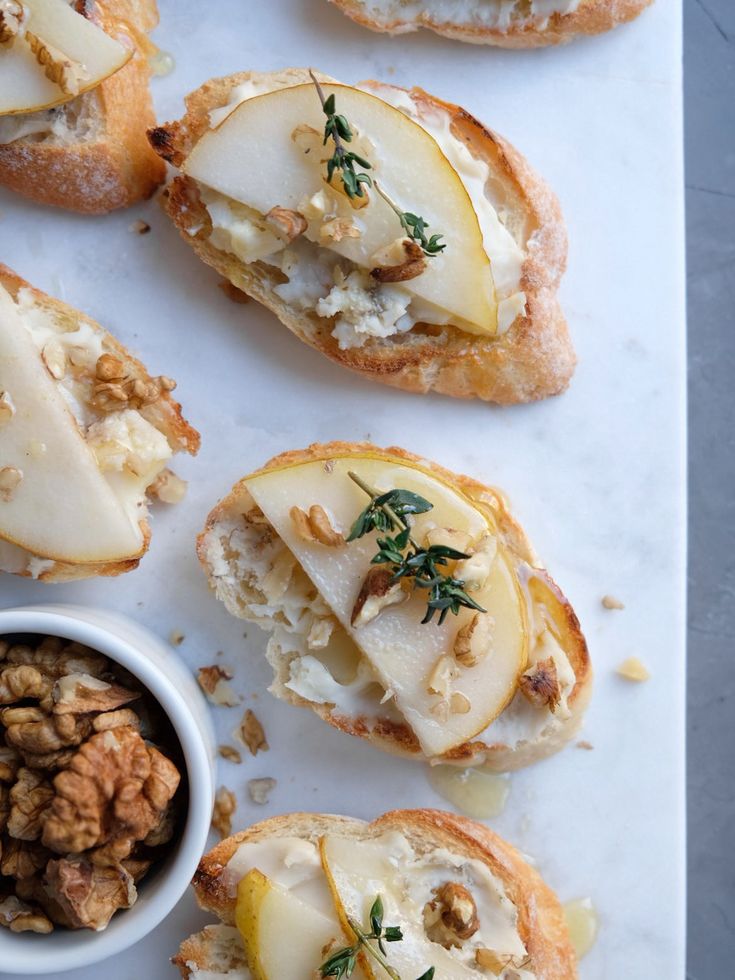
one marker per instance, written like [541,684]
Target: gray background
[709,63]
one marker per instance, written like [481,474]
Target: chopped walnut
[19,917]
[22,859]
[225,805]
[81,693]
[30,799]
[63,71]
[54,358]
[540,684]
[474,571]
[316,526]
[4,807]
[610,602]
[459,704]
[251,733]
[587,746]
[633,669]
[116,787]
[472,642]
[261,789]
[488,959]
[230,753]
[164,829]
[109,368]
[408,264]
[451,917]
[12,15]
[213,681]
[286,223]
[49,761]
[31,730]
[338,228]
[122,718]
[10,479]
[56,660]
[7,408]
[87,894]
[442,674]
[23,681]
[377,592]
[168,487]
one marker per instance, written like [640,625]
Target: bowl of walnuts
[106,785]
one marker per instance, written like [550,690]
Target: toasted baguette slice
[429,835]
[91,154]
[243,558]
[505,23]
[532,359]
[70,345]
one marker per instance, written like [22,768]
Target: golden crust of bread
[591,17]
[117,167]
[398,738]
[532,360]
[165,414]
[541,923]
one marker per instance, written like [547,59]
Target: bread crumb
[633,669]
[140,227]
[225,805]
[176,638]
[610,602]
[585,745]
[213,681]
[261,789]
[251,733]
[230,753]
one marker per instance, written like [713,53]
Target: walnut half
[451,918]
[540,684]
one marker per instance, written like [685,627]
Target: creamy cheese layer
[332,287]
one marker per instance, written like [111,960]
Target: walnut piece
[31,730]
[168,487]
[81,693]
[633,669]
[30,799]
[12,15]
[213,681]
[251,733]
[10,480]
[286,223]
[23,681]
[22,859]
[229,753]
[401,261]
[87,894]
[316,526]
[19,917]
[115,788]
[335,229]
[377,592]
[459,704]
[540,684]
[472,642]
[451,917]
[474,571]
[7,407]
[225,805]
[9,762]
[261,789]
[610,602]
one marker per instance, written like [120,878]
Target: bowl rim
[70,622]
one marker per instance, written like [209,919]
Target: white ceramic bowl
[159,670]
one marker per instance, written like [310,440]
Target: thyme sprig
[338,130]
[414,226]
[343,962]
[407,559]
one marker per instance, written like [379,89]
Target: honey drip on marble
[161,63]
[583,923]
[474,792]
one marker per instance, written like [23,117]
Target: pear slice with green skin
[63,508]
[252,158]
[24,86]
[284,938]
[401,650]
[359,871]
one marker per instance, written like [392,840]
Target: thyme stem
[386,508]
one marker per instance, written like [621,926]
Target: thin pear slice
[62,507]
[251,157]
[403,651]
[24,86]
[284,938]
[359,871]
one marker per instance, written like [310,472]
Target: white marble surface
[597,476]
